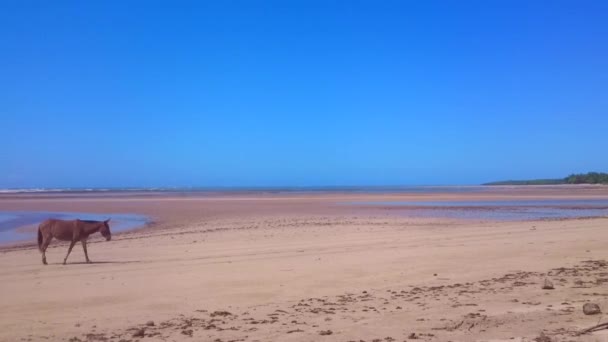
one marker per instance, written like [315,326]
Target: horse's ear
[108,220]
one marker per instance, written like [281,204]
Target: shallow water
[18,226]
[502,203]
[505,210]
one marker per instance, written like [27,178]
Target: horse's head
[105,230]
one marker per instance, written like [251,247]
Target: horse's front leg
[45,245]
[84,247]
[69,250]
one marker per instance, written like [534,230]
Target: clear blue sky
[271,93]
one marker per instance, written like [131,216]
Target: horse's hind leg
[69,250]
[84,246]
[45,244]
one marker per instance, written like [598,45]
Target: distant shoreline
[589,178]
[541,182]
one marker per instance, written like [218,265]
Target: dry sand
[299,267]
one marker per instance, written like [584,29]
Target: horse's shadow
[102,262]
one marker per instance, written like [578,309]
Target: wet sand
[299,267]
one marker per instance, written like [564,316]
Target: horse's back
[59,229]
[48,223]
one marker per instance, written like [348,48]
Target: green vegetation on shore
[580,178]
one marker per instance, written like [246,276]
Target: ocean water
[16,226]
[276,189]
[504,210]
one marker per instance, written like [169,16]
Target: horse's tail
[39,239]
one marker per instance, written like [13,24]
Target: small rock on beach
[591,309]
[139,333]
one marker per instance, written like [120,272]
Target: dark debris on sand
[309,313]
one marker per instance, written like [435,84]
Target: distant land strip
[579,178]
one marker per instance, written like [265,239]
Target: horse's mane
[90,221]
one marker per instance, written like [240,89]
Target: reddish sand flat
[302,267]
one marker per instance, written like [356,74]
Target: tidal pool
[505,210]
[17,226]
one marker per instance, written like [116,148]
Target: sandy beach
[306,267]
[303,171]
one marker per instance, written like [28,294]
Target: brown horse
[73,231]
